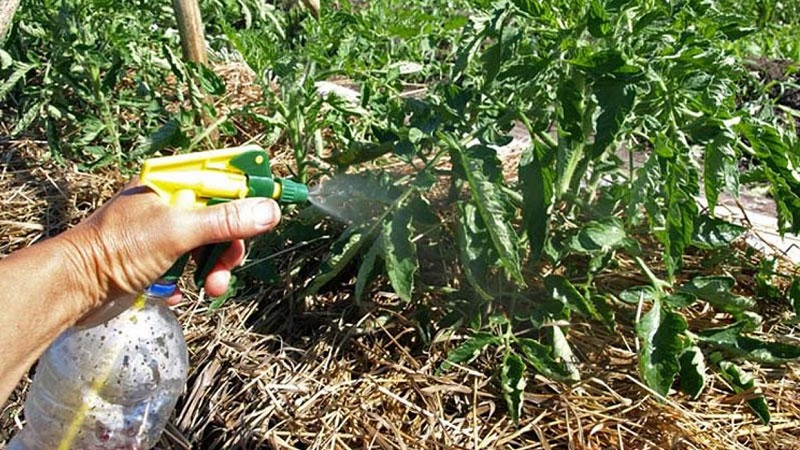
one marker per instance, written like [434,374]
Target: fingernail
[266,213]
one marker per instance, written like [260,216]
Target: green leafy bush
[633,110]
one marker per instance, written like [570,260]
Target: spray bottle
[112,381]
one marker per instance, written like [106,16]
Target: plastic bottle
[110,382]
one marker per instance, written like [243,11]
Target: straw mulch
[335,375]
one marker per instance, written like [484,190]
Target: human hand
[135,237]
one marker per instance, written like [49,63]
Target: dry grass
[333,375]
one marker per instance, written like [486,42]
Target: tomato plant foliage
[628,111]
[633,110]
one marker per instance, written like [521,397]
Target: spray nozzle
[292,192]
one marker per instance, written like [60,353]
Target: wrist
[79,269]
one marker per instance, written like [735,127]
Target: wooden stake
[7,10]
[190,27]
[193,45]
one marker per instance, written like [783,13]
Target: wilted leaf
[512,379]
[473,246]
[660,331]
[211,83]
[468,350]
[606,64]
[530,7]
[730,338]
[19,71]
[680,186]
[342,252]
[234,285]
[562,290]
[540,356]
[721,167]
[492,59]
[367,271]
[693,371]
[400,253]
[615,99]
[599,236]
[487,200]
[711,233]
[716,290]
[742,381]
[636,294]
[597,20]
[169,135]
[563,352]
[679,299]
[264,271]
[536,181]
[572,131]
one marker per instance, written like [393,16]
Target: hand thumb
[239,219]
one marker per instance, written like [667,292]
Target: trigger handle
[206,260]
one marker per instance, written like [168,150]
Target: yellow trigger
[190,180]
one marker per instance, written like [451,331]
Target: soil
[784,76]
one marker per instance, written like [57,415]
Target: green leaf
[721,168]
[5,60]
[540,356]
[693,372]
[615,100]
[716,290]
[536,180]
[606,64]
[793,295]
[367,271]
[492,58]
[211,83]
[599,236]
[342,252]
[660,333]
[713,233]
[512,381]
[572,133]
[730,338]
[487,200]
[400,253]
[742,381]
[468,350]
[636,294]
[531,7]
[562,290]
[19,71]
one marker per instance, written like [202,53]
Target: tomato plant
[630,110]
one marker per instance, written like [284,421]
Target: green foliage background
[596,85]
